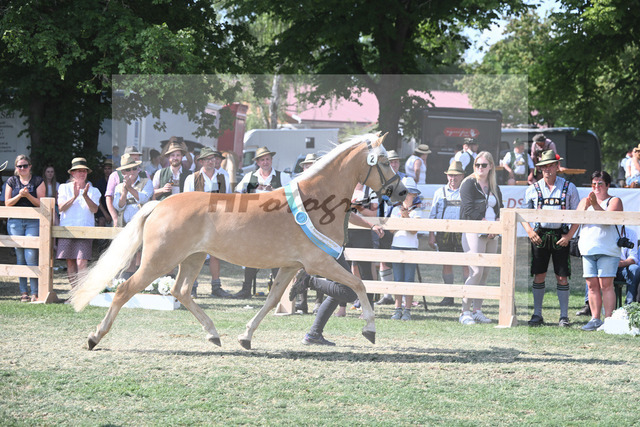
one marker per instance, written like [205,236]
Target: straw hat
[411,185]
[455,168]
[128,162]
[176,146]
[548,157]
[79,163]
[263,151]
[309,159]
[208,152]
[393,155]
[422,149]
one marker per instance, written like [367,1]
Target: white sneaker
[479,317]
[466,319]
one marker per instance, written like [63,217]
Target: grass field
[155,368]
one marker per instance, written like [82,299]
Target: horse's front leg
[280,283]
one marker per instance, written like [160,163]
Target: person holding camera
[599,246]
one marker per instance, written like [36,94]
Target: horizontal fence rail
[505,260]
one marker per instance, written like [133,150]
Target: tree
[57,59]
[382,42]
[504,80]
[589,75]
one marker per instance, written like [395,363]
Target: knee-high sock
[563,298]
[538,297]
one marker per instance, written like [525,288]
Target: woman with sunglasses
[78,201]
[599,249]
[24,189]
[481,200]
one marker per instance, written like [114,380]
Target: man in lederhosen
[550,240]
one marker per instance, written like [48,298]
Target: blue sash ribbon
[301,217]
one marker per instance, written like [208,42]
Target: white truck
[291,146]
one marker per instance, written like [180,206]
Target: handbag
[574,250]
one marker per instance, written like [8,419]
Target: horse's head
[379,175]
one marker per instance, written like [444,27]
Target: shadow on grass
[399,355]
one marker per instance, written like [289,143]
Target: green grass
[155,368]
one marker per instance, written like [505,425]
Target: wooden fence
[505,260]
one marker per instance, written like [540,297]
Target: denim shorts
[599,266]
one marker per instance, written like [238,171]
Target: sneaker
[406,315]
[564,322]
[385,300]
[300,285]
[397,314]
[466,318]
[584,311]
[536,320]
[592,325]
[479,317]
[316,340]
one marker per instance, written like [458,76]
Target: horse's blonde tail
[113,261]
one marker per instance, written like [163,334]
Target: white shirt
[78,213]
[401,238]
[462,157]
[410,164]
[210,184]
[131,209]
[242,185]
[176,178]
[150,169]
[518,163]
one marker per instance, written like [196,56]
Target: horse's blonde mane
[339,149]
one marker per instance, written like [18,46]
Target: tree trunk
[389,95]
[274,101]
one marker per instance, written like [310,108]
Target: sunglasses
[482,165]
[597,184]
[22,166]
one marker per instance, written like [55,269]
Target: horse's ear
[380,140]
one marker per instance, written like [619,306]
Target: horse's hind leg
[283,278]
[187,273]
[125,291]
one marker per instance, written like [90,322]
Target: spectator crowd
[469,191]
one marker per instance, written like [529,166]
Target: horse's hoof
[246,344]
[91,343]
[215,340]
[371,336]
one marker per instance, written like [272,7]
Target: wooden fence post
[506,316]
[45,252]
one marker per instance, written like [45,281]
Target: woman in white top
[633,168]
[78,201]
[416,165]
[599,249]
[405,240]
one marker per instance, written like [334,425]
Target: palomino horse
[183,228]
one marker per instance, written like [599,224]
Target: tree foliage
[57,60]
[380,42]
